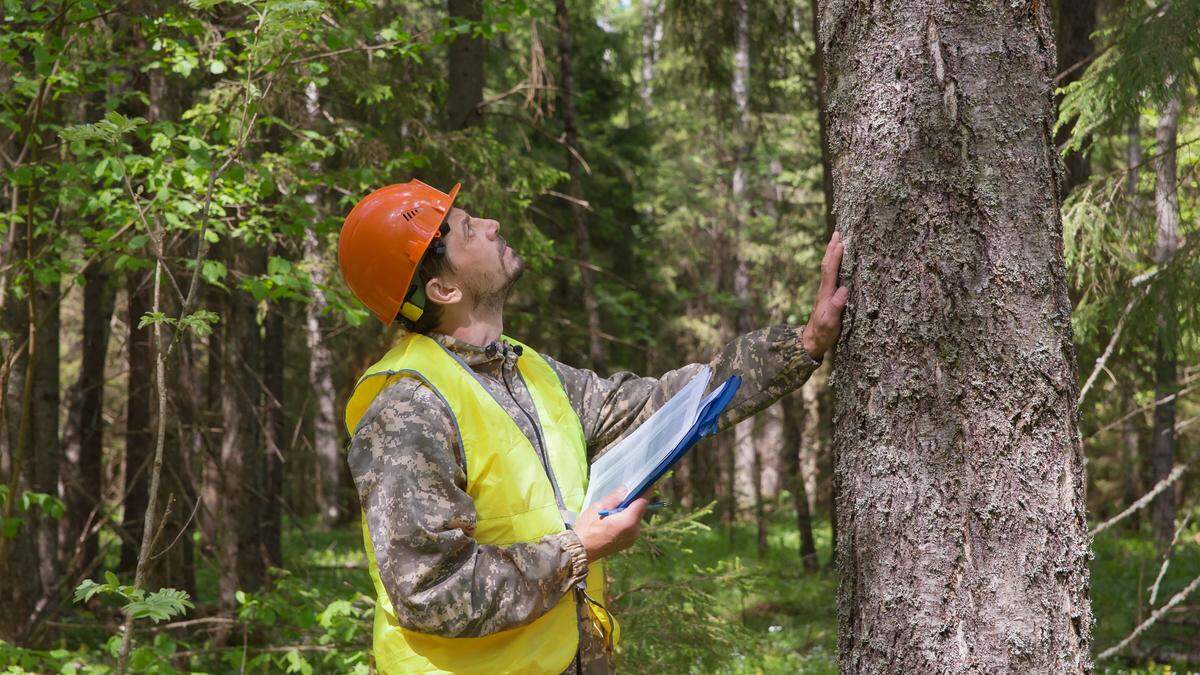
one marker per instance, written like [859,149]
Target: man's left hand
[825,322]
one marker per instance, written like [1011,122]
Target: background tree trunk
[465,68]
[962,527]
[1075,23]
[86,420]
[275,434]
[794,423]
[583,245]
[1166,368]
[139,442]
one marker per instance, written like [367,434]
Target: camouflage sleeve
[771,361]
[405,459]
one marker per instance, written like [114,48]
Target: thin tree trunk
[583,245]
[465,60]
[46,451]
[1166,368]
[813,439]
[139,443]
[1133,160]
[86,420]
[795,423]
[1076,21]
[326,430]
[240,470]
[962,516]
[1131,440]
[19,554]
[651,38]
[275,435]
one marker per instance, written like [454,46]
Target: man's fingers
[830,265]
[638,507]
[840,298]
[612,500]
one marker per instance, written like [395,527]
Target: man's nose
[495,229]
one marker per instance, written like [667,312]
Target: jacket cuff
[804,356]
[574,549]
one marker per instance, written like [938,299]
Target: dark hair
[435,263]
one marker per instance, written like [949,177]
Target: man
[470,451]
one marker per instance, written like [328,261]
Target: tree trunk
[238,499]
[466,68]
[327,438]
[1133,161]
[45,449]
[86,420]
[275,435]
[1166,368]
[1131,443]
[583,245]
[1076,21]
[139,441]
[962,527]
[651,38]
[794,426]
[18,554]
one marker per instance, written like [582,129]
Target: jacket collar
[491,355]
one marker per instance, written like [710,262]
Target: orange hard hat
[383,240]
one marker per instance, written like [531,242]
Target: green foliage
[158,605]
[1148,56]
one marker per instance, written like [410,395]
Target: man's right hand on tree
[602,537]
[825,322]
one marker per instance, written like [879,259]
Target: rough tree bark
[465,60]
[963,544]
[1166,367]
[583,245]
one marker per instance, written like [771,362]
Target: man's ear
[442,292]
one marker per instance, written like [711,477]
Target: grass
[690,600]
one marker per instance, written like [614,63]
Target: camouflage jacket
[408,467]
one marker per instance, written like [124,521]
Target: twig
[1162,571]
[1158,614]
[1145,499]
[1112,343]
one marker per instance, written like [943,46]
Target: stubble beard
[494,299]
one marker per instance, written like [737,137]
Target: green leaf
[10,527]
[160,605]
[216,66]
[88,588]
[211,236]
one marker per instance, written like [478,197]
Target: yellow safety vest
[514,502]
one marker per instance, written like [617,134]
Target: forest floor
[787,616]
[705,603]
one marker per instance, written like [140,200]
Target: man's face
[485,267]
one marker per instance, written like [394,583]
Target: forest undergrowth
[690,598]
